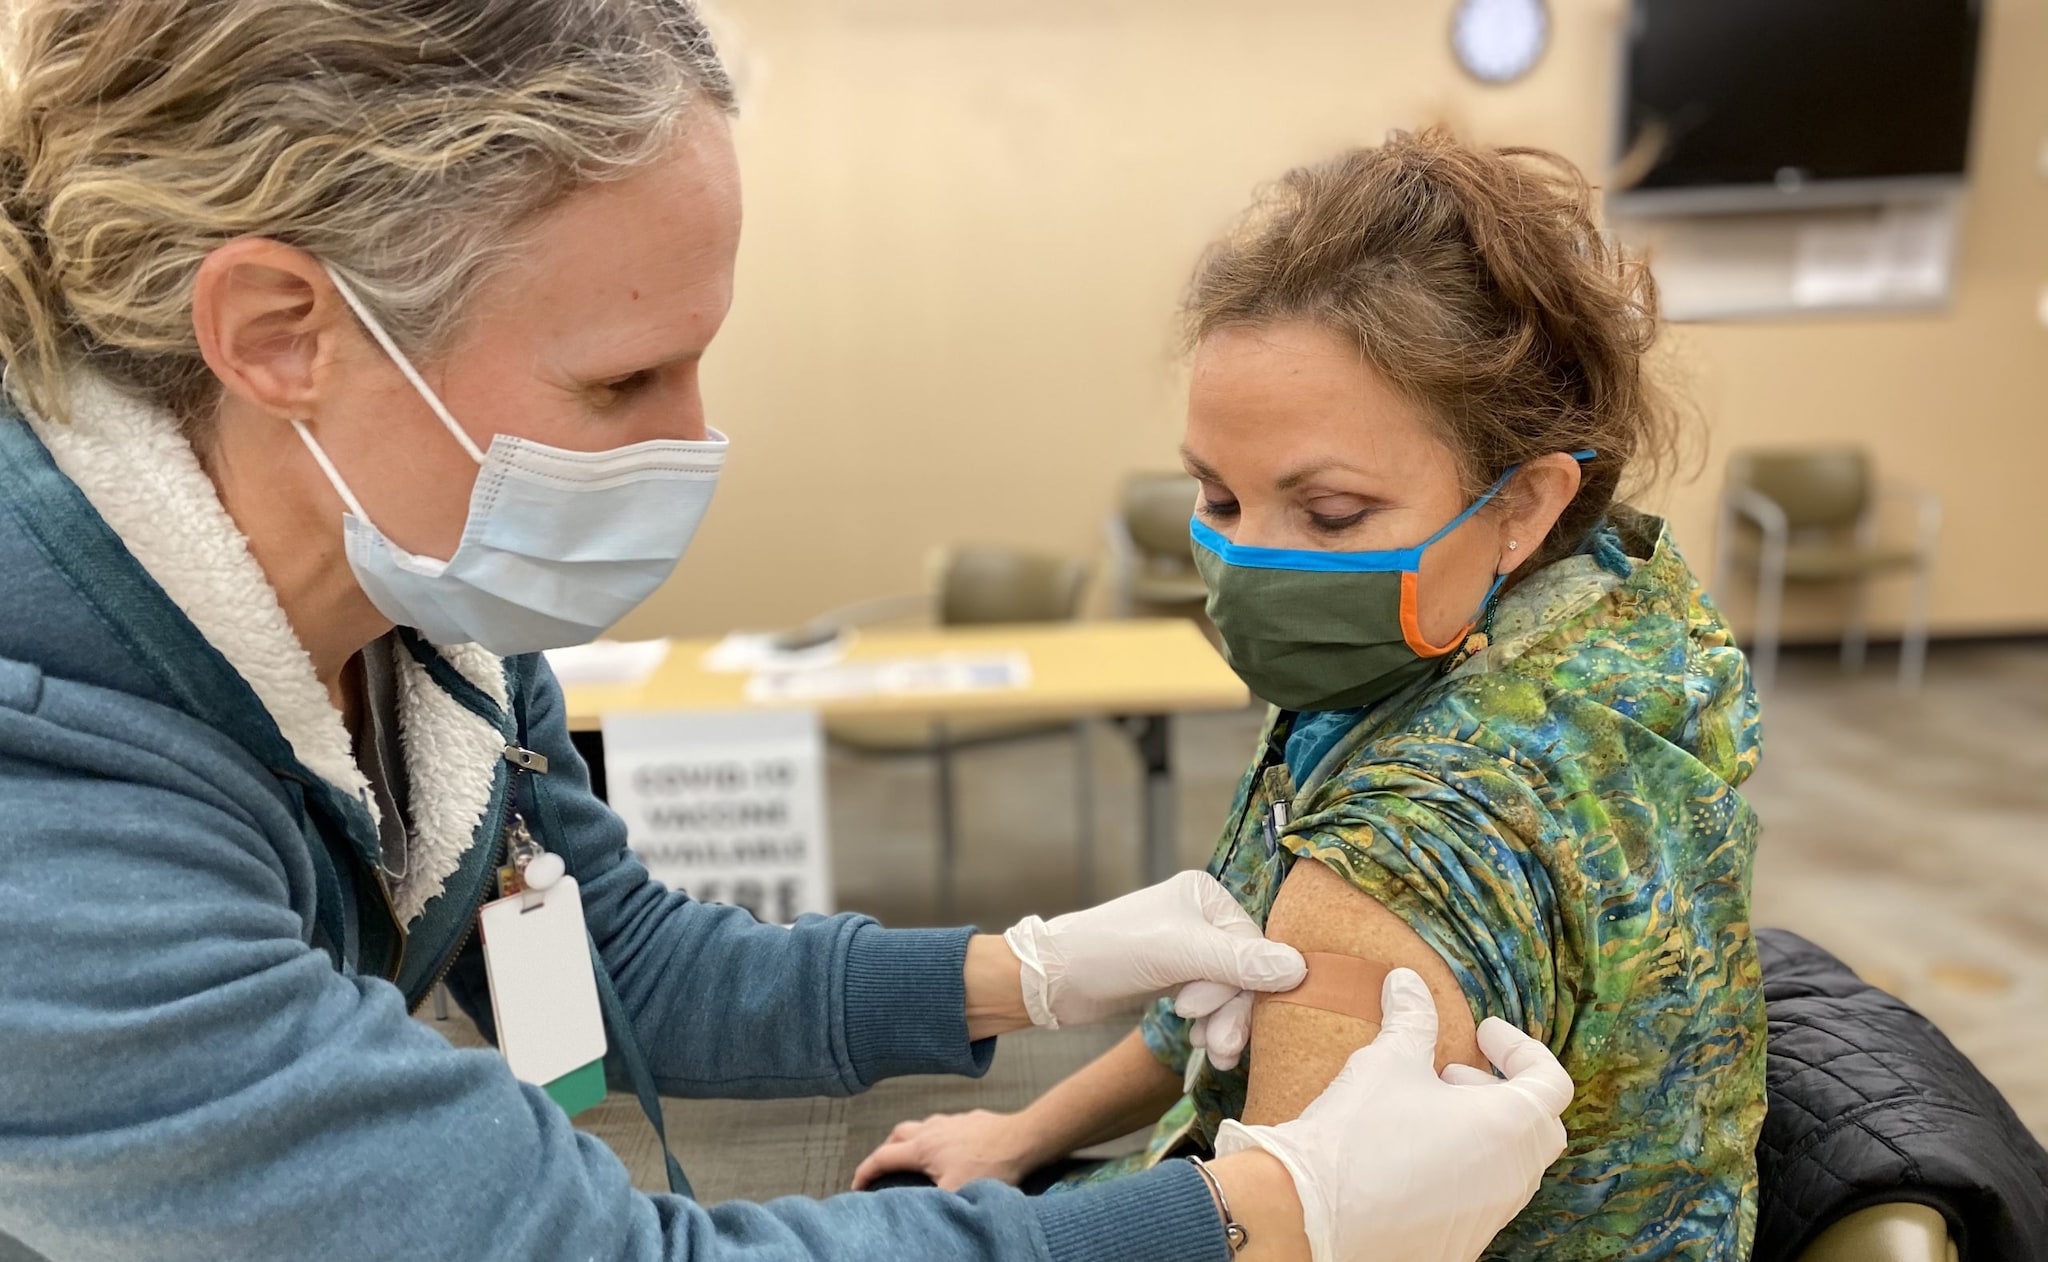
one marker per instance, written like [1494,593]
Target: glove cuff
[1024,940]
[1316,1214]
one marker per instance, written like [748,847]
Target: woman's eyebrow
[1199,467]
[1303,474]
[1202,470]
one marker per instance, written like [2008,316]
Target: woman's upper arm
[1296,1051]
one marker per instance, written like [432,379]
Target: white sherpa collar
[134,465]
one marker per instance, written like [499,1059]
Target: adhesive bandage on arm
[1301,1037]
[1343,984]
[1352,942]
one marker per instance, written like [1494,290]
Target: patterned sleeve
[1166,1036]
[1460,852]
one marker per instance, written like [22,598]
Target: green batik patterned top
[1558,818]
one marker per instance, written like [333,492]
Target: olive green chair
[986,586]
[1816,516]
[1151,558]
[1904,1232]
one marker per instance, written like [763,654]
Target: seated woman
[1509,726]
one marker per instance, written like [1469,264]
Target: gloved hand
[1090,965]
[1393,1162]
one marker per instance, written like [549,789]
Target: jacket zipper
[461,939]
[391,912]
[502,850]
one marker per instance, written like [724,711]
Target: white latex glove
[1394,1164]
[1090,965]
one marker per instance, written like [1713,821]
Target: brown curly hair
[1476,281]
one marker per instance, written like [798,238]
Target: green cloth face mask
[1310,630]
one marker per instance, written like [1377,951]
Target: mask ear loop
[383,339]
[1411,624]
[1482,625]
[1489,605]
[348,497]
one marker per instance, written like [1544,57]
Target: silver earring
[1512,545]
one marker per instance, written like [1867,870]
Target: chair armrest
[1745,501]
[1926,506]
[1894,1232]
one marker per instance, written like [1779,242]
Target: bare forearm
[1264,1202]
[995,996]
[1118,1092]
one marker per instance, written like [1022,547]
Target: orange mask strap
[1343,984]
[1411,626]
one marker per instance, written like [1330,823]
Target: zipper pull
[520,850]
[526,760]
[520,846]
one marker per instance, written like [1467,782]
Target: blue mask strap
[1486,606]
[1490,492]
[1476,505]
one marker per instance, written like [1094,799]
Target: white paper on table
[624,662]
[756,650]
[901,676]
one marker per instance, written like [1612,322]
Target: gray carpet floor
[1908,834]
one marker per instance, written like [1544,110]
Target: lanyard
[636,1068]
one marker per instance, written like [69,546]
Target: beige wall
[968,221]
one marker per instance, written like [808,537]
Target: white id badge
[544,994]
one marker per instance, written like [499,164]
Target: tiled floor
[1908,834]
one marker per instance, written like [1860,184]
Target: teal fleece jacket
[205,1046]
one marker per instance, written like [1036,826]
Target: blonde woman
[351,350]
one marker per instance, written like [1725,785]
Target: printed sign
[729,806]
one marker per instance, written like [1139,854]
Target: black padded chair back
[1871,1105]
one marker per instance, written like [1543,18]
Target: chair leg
[1913,649]
[1084,806]
[949,837]
[1770,601]
[1856,637]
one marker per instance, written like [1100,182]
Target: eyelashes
[1219,511]
[621,389]
[1227,510]
[1338,525]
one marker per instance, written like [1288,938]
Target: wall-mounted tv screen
[1728,104]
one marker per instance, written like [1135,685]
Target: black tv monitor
[1746,104]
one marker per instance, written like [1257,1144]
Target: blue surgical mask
[558,546]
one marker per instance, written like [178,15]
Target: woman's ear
[1541,490]
[264,314]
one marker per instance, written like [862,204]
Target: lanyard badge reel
[543,986]
[549,992]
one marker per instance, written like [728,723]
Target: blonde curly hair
[404,142]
